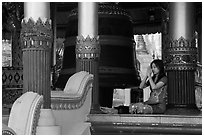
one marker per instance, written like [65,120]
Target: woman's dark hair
[160,65]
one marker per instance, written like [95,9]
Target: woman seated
[157,80]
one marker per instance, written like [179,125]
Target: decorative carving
[10,95]
[182,42]
[7,132]
[113,9]
[36,34]
[87,48]
[12,77]
[106,8]
[181,54]
[36,117]
[12,13]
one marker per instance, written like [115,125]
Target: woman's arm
[143,83]
[155,86]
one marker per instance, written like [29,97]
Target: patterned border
[36,34]
[7,132]
[181,54]
[36,116]
[107,9]
[12,77]
[9,96]
[87,48]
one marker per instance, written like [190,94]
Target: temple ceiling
[146,16]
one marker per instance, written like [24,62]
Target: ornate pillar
[36,38]
[181,58]
[87,45]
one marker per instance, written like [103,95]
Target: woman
[157,100]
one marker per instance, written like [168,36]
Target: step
[145,124]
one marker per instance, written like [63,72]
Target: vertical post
[15,30]
[36,38]
[165,21]
[16,48]
[199,30]
[181,58]
[54,45]
[87,45]
[54,24]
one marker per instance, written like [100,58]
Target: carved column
[36,38]
[87,46]
[181,58]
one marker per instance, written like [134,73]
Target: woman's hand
[148,75]
[149,71]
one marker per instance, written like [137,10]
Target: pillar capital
[36,34]
[87,48]
[181,54]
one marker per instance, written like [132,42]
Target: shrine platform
[145,124]
[142,124]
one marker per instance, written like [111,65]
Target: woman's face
[155,69]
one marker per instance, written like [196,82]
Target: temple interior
[74,68]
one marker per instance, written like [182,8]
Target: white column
[37,10]
[36,58]
[87,47]
[88,19]
[181,17]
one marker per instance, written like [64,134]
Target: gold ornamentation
[106,9]
[36,34]
[87,48]
[181,54]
